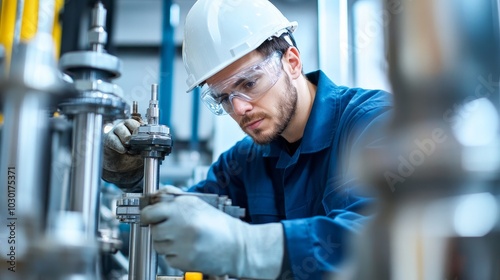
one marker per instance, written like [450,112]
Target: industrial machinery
[29,98]
[98,101]
[52,202]
[153,141]
[436,174]
[51,149]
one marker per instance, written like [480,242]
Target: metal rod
[143,259]
[153,112]
[46,16]
[149,261]
[151,183]
[86,172]
[135,106]
[151,173]
[135,248]
[154,92]
[99,23]
[23,166]
[61,166]
[18,23]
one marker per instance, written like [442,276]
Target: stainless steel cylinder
[86,172]
[33,87]
[143,257]
[24,167]
[151,174]
[135,264]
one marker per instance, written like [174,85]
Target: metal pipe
[151,173]
[98,100]
[86,171]
[148,263]
[133,255]
[46,13]
[23,167]
[432,47]
[61,166]
[98,22]
[25,163]
[153,112]
[143,259]
[151,183]
[18,23]
[154,142]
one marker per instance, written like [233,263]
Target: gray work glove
[195,236]
[121,166]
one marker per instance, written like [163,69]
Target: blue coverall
[309,192]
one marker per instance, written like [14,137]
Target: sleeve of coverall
[316,246]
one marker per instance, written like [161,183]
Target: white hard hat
[219,32]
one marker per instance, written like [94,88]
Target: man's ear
[293,62]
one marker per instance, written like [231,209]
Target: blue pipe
[167,55]
[194,144]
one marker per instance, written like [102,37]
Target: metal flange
[74,62]
[127,208]
[109,105]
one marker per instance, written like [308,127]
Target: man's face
[267,117]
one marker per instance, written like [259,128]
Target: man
[292,173]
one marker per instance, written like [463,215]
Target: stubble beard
[287,105]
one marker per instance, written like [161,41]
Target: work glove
[121,166]
[195,236]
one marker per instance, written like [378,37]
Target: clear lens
[249,85]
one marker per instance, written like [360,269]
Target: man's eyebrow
[238,82]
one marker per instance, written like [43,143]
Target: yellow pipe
[7,27]
[29,21]
[57,30]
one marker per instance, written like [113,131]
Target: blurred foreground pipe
[440,55]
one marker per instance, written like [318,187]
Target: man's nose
[240,106]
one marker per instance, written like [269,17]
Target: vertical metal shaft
[143,258]
[86,172]
[135,106]
[23,166]
[153,112]
[148,263]
[134,251]
[46,16]
[18,23]
[61,167]
[151,183]
[151,175]
[98,23]
[154,142]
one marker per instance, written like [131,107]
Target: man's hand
[120,165]
[195,236]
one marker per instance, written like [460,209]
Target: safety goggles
[249,84]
